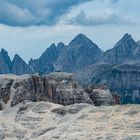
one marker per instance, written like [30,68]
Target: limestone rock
[43,121]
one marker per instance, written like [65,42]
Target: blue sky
[28,27]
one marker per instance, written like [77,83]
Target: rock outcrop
[58,88]
[101,96]
[47,121]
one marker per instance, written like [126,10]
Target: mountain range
[79,53]
[117,68]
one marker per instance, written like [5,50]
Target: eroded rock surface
[47,121]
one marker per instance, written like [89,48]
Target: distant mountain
[5,62]
[125,51]
[117,68]
[19,66]
[45,63]
[80,53]
[16,66]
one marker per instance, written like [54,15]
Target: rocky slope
[123,80]
[47,121]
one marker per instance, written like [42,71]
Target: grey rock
[19,66]
[80,52]
[102,97]
[123,52]
[5,62]
[45,63]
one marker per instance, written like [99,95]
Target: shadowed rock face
[5,62]
[123,80]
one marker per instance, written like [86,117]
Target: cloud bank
[35,12]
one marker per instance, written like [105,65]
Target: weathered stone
[57,87]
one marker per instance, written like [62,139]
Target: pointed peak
[127,36]
[80,39]
[17,58]
[52,45]
[3,51]
[60,44]
[81,35]
[126,41]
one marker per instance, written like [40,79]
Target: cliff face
[57,88]
[125,80]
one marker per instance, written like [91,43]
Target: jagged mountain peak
[17,58]
[3,51]
[19,66]
[52,45]
[81,39]
[126,41]
[61,45]
[127,36]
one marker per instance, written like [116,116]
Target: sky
[28,27]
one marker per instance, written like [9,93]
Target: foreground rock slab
[48,121]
